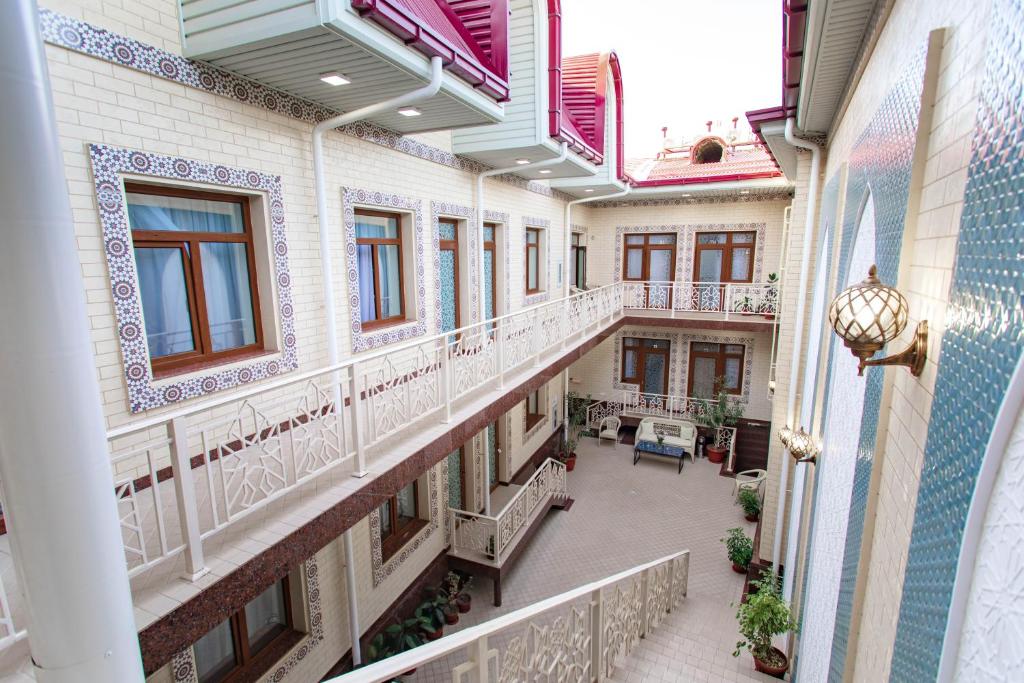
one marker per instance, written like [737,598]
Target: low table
[655,448]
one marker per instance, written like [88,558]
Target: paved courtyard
[624,516]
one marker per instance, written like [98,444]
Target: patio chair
[609,428]
[757,477]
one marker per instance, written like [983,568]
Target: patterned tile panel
[109,166]
[444,263]
[980,348]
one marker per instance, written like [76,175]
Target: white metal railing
[726,298]
[491,537]
[580,636]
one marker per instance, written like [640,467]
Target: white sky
[683,61]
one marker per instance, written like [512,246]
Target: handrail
[474,638]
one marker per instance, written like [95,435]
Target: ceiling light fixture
[590,190]
[522,162]
[409,111]
[869,315]
[545,171]
[334,78]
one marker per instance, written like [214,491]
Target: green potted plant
[744,306]
[661,439]
[724,412]
[395,639]
[577,417]
[464,600]
[431,617]
[750,501]
[740,549]
[762,617]
[771,296]
[448,594]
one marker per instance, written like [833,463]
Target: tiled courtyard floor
[624,516]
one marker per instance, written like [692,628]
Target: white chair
[609,428]
[757,477]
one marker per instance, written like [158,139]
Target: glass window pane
[706,347]
[734,348]
[385,520]
[390,281]
[710,266]
[265,617]
[634,239]
[156,212]
[215,653]
[581,267]
[662,239]
[532,236]
[575,239]
[488,233]
[656,343]
[228,297]
[367,293]
[376,226]
[654,374]
[630,370]
[732,373]
[661,265]
[492,452]
[455,466]
[742,237]
[712,238]
[703,377]
[531,270]
[634,264]
[631,341]
[572,267]
[164,300]
[741,264]
[407,503]
[489,309]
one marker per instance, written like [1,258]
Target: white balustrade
[579,636]
[490,538]
[728,299]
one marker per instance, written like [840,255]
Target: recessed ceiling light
[687,194]
[590,190]
[522,162]
[545,171]
[334,78]
[744,191]
[409,111]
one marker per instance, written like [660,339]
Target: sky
[683,61]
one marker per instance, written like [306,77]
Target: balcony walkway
[623,516]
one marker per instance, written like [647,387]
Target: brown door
[645,362]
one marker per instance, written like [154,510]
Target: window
[650,257]
[715,367]
[578,261]
[448,232]
[490,271]
[232,648]
[197,275]
[399,519]
[533,283]
[645,362]
[379,261]
[534,409]
[724,257]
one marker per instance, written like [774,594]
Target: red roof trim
[757,117]
[701,180]
[429,40]
[794,15]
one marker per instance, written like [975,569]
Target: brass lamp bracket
[913,356]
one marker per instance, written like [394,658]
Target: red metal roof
[743,160]
[470,36]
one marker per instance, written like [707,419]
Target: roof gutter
[798,339]
[327,283]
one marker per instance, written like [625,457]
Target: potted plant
[750,501]
[396,638]
[431,617]
[661,439]
[771,296]
[448,595]
[744,306]
[464,600]
[723,412]
[740,549]
[577,417]
[762,617]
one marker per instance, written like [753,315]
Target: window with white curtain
[379,262]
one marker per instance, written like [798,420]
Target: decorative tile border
[504,220]
[529,434]
[80,36]
[643,333]
[531,222]
[685,243]
[439,210]
[183,664]
[748,359]
[108,166]
[351,198]
[756,195]
[382,569]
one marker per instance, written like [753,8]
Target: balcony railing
[489,539]
[580,636]
[729,299]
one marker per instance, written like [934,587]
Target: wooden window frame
[720,359]
[452,246]
[526,263]
[533,418]
[641,351]
[726,250]
[400,535]
[249,665]
[188,244]
[374,243]
[646,248]
[492,246]
[576,250]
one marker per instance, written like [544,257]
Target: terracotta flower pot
[715,454]
[738,569]
[751,518]
[570,463]
[451,617]
[464,603]
[434,635]
[771,669]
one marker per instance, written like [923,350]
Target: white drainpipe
[563,153]
[327,274]
[54,460]
[798,327]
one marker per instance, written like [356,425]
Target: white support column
[596,635]
[351,596]
[482,443]
[185,497]
[54,460]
